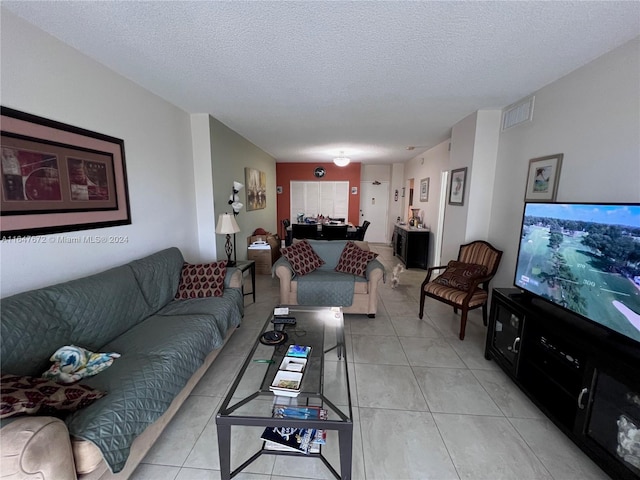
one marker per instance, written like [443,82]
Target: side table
[243,266]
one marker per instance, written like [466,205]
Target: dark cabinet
[411,245]
[505,336]
[581,376]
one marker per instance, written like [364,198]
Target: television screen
[584,258]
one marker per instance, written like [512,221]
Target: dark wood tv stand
[583,377]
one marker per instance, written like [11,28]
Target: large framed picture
[256,182]
[542,179]
[457,186]
[424,189]
[59,178]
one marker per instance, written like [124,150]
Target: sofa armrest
[377,268]
[233,278]
[38,448]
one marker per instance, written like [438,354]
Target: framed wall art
[457,186]
[424,190]
[256,184]
[542,179]
[59,178]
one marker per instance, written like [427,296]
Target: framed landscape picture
[542,179]
[457,186]
[59,178]
[424,190]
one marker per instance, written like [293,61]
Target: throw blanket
[326,288]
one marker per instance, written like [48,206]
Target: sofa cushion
[80,312]
[158,276]
[202,280]
[354,260]
[30,395]
[227,310]
[302,257]
[159,356]
[460,275]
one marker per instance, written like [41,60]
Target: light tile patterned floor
[426,405]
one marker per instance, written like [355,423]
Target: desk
[243,266]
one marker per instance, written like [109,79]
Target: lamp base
[228,249]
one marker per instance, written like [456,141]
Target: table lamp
[227,225]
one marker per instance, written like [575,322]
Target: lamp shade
[227,224]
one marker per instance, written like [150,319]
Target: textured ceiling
[305,80]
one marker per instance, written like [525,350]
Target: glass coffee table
[325,385]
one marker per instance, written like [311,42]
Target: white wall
[481,183]
[429,164]
[463,139]
[592,116]
[45,77]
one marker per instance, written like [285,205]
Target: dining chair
[304,230]
[334,232]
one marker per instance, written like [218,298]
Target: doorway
[374,206]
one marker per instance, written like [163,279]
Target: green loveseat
[327,287]
[166,345]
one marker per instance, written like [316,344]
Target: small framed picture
[354,190]
[424,190]
[279,189]
[542,179]
[457,186]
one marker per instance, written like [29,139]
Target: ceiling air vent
[518,113]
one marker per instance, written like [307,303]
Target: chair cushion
[455,296]
[460,275]
[30,395]
[302,257]
[202,280]
[354,260]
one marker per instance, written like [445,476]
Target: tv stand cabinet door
[505,332]
[609,417]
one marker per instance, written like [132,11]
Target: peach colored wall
[286,172]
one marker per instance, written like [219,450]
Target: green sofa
[166,345]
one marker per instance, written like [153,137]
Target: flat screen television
[584,258]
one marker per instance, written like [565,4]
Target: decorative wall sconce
[234,198]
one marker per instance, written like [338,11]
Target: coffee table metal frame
[344,425]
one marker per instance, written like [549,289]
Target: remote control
[285,320]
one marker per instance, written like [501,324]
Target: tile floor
[426,405]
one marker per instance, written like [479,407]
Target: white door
[374,206]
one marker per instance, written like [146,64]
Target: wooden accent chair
[465,282]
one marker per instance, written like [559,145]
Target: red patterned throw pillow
[354,260]
[302,257]
[459,275]
[202,280]
[30,395]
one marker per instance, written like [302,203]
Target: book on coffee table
[295,439]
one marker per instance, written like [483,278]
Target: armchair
[465,282]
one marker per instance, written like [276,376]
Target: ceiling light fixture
[342,161]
